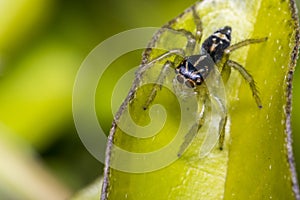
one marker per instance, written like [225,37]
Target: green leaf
[256,161]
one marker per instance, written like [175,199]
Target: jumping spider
[193,68]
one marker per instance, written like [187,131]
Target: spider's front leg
[158,83]
[161,77]
[193,41]
[203,111]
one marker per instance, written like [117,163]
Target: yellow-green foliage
[253,163]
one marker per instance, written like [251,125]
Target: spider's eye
[180,78]
[189,83]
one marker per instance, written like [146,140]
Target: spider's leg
[198,23]
[222,125]
[208,102]
[248,77]
[178,53]
[222,111]
[193,40]
[244,43]
[172,52]
[158,83]
[225,70]
[195,128]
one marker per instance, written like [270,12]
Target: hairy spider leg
[244,43]
[206,108]
[248,77]
[227,64]
[196,127]
[193,39]
[158,83]
[192,42]
[179,52]
[198,23]
[223,113]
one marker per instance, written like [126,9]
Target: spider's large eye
[189,83]
[180,78]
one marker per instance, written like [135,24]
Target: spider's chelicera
[193,69]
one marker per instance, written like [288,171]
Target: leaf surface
[256,161]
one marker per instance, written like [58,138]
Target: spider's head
[216,43]
[187,73]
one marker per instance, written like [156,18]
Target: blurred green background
[42,44]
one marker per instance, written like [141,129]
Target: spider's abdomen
[215,44]
[194,69]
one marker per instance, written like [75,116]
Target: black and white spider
[193,69]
